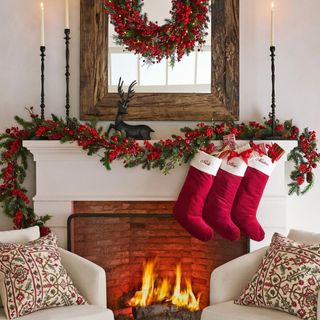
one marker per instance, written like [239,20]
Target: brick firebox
[120,235]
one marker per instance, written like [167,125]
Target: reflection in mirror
[190,75]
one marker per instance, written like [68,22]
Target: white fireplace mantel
[65,173]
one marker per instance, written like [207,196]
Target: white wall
[298,66]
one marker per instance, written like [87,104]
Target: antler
[131,92]
[120,91]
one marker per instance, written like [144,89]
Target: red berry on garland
[209,132]
[112,156]
[40,131]
[279,127]
[303,168]
[44,231]
[115,138]
[18,219]
[189,135]
[234,131]
[300,180]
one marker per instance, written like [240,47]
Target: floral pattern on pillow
[33,278]
[288,279]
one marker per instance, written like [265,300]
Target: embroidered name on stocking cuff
[206,163]
[234,166]
[263,164]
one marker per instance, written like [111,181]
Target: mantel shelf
[65,173]
[55,145]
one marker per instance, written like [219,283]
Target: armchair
[90,279]
[228,281]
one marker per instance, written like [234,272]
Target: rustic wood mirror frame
[220,104]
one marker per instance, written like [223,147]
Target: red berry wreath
[178,36]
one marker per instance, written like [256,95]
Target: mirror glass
[191,75]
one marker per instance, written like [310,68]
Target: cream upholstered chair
[228,281]
[89,279]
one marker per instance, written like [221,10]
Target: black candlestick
[42,105]
[273,94]
[67,74]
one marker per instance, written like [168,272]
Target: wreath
[164,154]
[176,37]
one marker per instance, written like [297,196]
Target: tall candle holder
[67,74]
[42,95]
[273,92]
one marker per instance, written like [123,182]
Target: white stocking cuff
[206,163]
[263,164]
[234,166]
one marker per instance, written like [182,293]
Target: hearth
[155,269]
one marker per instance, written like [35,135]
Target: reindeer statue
[139,132]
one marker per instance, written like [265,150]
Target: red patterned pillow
[287,279]
[32,278]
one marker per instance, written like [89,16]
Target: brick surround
[119,235]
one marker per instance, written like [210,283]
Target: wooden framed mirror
[221,102]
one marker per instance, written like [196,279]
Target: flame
[272,5]
[155,290]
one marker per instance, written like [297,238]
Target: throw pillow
[288,279]
[19,236]
[32,278]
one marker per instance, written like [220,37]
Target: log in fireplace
[123,237]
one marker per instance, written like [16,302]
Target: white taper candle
[67,23]
[272,24]
[42,24]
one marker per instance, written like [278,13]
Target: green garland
[164,155]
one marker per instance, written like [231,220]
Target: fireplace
[68,181]
[122,237]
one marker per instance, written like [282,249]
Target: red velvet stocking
[188,208]
[217,210]
[245,205]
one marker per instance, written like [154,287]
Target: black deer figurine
[139,132]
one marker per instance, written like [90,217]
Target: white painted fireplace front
[65,173]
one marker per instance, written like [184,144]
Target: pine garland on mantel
[164,155]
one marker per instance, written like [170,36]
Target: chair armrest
[318,307]
[89,278]
[228,280]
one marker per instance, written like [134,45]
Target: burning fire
[155,290]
